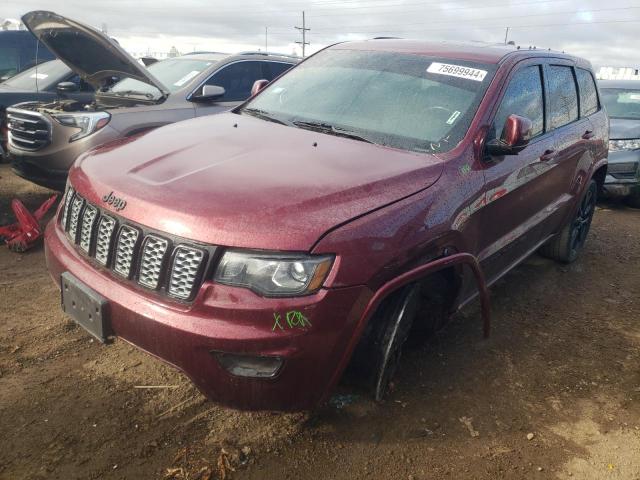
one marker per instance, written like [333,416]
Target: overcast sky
[604,32]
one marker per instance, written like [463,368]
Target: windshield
[173,73]
[403,101]
[622,102]
[46,74]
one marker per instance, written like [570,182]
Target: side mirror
[67,87]
[515,136]
[209,93]
[258,86]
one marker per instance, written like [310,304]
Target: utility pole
[266,43]
[304,31]
[506,36]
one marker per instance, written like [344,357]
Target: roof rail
[386,38]
[267,54]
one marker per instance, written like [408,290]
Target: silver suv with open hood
[46,137]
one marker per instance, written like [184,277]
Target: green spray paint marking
[293,319]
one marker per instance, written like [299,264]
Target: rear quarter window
[588,92]
[563,97]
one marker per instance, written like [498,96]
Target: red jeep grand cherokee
[357,200]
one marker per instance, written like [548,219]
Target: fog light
[249,365]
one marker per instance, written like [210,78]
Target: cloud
[603,33]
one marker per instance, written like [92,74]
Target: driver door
[515,190]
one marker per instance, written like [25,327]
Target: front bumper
[53,179]
[50,165]
[231,320]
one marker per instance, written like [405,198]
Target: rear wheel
[566,246]
[377,357]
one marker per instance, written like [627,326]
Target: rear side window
[274,69]
[563,98]
[523,97]
[588,92]
[237,80]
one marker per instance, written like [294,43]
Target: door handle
[588,134]
[548,155]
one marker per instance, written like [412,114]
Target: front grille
[161,263]
[623,169]
[28,130]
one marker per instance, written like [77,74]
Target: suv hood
[87,51]
[623,129]
[235,180]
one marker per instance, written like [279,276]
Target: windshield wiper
[264,115]
[331,130]
[132,92]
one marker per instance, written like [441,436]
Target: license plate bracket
[85,306]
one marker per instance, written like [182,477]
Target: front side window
[588,92]
[563,97]
[523,97]
[275,69]
[622,102]
[410,102]
[237,80]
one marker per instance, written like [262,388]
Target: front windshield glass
[46,74]
[622,102]
[411,102]
[173,73]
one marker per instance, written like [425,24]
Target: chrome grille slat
[184,271]
[154,252]
[125,250]
[67,204]
[104,239]
[88,224]
[74,217]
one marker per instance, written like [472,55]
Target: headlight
[273,274]
[88,122]
[617,145]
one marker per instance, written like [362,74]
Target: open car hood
[87,51]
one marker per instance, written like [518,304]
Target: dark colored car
[331,216]
[46,138]
[622,101]
[20,50]
[42,84]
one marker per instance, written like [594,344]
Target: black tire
[566,246]
[633,200]
[377,356]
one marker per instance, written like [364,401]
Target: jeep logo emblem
[117,203]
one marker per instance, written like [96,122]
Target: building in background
[618,73]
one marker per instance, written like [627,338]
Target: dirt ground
[555,393]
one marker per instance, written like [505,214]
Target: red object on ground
[26,232]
